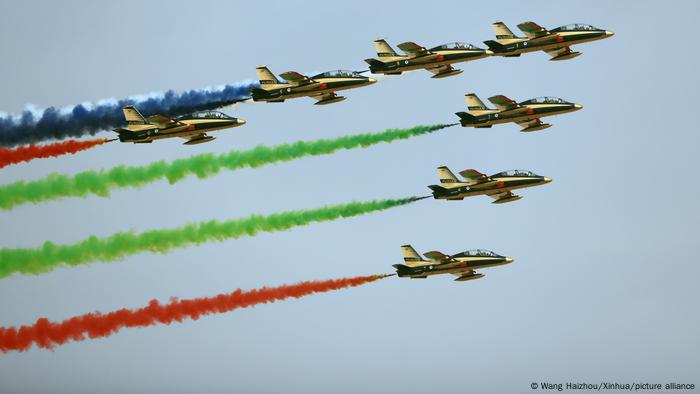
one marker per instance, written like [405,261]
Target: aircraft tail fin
[474,103]
[446,176]
[133,116]
[410,254]
[502,31]
[384,49]
[266,76]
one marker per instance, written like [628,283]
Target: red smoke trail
[31,152]
[46,334]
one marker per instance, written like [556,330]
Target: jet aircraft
[462,265]
[497,186]
[192,127]
[321,87]
[556,42]
[437,60]
[527,113]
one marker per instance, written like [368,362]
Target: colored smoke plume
[50,256]
[203,165]
[46,334]
[31,152]
[83,119]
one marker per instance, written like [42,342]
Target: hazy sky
[604,283]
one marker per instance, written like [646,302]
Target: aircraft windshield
[576,27]
[545,100]
[514,173]
[454,45]
[477,253]
[206,114]
[338,74]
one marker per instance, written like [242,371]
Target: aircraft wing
[557,52]
[466,272]
[413,49]
[296,78]
[162,121]
[503,103]
[500,195]
[474,176]
[439,257]
[442,69]
[325,96]
[529,123]
[533,30]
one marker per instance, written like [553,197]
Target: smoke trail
[46,334]
[204,165]
[58,123]
[119,245]
[31,152]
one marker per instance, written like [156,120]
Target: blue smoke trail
[57,123]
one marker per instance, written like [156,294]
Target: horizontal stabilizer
[466,118]
[374,62]
[257,92]
[124,132]
[495,46]
[438,189]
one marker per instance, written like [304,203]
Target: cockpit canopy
[575,27]
[477,253]
[545,100]
[514,173]
[205,115]
[454,45]
[338,74]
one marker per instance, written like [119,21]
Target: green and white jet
[556,42]
[527,113]
[462,265]
[497,186]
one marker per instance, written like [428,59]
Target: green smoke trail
[119,245]
[204,165]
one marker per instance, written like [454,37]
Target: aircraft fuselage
[191,127]
[462,265]
[459,190]
[321,86]
[517,46]
[399,64]
[489,117]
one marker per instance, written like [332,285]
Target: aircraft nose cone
[371,80]
[509,260]
[547,180]
[608,33]
[577,106]
[240,121]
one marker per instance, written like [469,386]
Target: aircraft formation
[439,61]
[194,127]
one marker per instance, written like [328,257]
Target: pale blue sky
[604,283]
